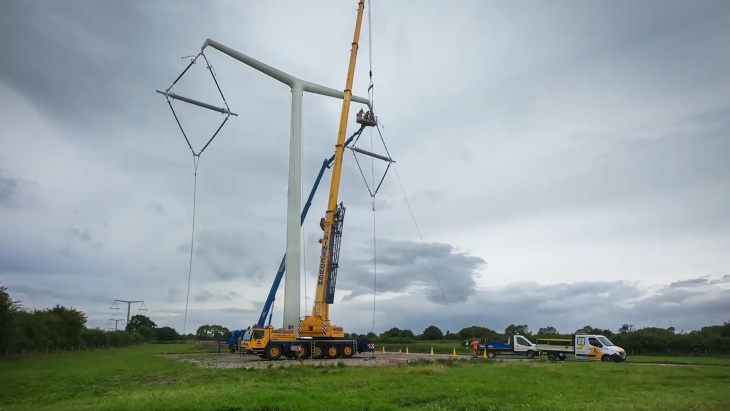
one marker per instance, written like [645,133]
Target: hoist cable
[372,162]
[196,161]
[375,248]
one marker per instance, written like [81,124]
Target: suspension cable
[196,161]
[196,156]
[423,244]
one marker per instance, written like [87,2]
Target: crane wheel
[333,351]
[273,352]
[305,351]
[318,352]
[347,351]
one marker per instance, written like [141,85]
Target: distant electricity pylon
[116,323]
[129,305]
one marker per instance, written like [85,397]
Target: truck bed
[555,347]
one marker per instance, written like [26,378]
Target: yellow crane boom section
[318,323]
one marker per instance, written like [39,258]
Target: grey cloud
[689,283]
[16,193]
[228,254]
[157,208]
[206,295]
[599,304]
[402,264]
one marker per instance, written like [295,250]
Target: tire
[347,351]
[306,351]
[318,351]
[332,351]
[562,357]
[606,358]
[273,352]
[491,354]
[530,354]
[232,348]
[551,356]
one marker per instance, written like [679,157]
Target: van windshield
[605,341]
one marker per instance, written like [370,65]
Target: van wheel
[606,358]
[530,354]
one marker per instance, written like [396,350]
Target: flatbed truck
[511,345]
[583,346]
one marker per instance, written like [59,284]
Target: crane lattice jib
[335,254]
[321,307]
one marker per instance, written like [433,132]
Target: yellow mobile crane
[318,338]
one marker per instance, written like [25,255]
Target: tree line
[714,339]
[61,327]
[50,329]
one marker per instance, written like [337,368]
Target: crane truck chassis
[273,343]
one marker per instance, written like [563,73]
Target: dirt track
[228,360]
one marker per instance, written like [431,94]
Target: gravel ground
[228,360]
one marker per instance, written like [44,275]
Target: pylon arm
[197,103]
[368,153]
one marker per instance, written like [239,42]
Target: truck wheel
[333,351]
[306,351]
[232,348]
[491,354]
[273,352]
[561,357]
[347,351]
[530,354]
[606,358]
[318,352]
[551,356]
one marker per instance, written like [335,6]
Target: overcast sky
[567,164]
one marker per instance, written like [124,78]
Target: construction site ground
[376,359]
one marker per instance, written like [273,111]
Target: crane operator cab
[367,118]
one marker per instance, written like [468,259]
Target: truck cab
[597,347]
[583,346]
[512,345]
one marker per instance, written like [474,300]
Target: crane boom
[317,324]
[317,338]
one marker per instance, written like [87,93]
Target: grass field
[134,378]
[441,347]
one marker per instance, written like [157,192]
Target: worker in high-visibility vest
[475,347]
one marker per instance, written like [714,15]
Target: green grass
[133,378]
[688,360]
